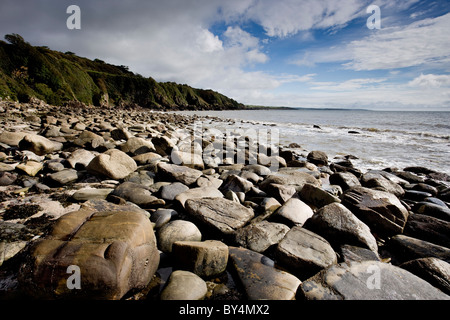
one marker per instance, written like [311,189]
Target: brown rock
[114,251]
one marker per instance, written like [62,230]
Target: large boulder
[12,138]
[429,229]
[177,230]
[259,278]
[64,177]
[188,159]
[221,214]
[113,251]
[169,192]
[377,181]
[175,172]
[114,164]
[136,146]
[367,280]
[340,226]
[318,157]
[184,285]
[31,168]
[204,258]
[261,235]
[406,248]
[163,145]
[305,253]
[236,184]
[380,210]
[137,193]
[197,193]
[80,158]
[88,139]
[434,210]
[297,179]
[39,145]
[317,196]
[433,270]
[293,212]
[345,180]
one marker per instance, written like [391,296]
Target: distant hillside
[55,77]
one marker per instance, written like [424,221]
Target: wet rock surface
[119,196]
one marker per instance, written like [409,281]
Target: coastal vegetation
[28,71]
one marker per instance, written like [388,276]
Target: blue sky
[298,53]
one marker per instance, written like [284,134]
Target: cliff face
[55,77]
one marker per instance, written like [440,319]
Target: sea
[378,139]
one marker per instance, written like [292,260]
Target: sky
[295,53]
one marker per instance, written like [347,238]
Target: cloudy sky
[298,53]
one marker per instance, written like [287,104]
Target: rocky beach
[120,204]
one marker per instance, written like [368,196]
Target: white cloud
[285,18]
[431,81]
[422,42]
[208,42]
[243,46]
[348,85]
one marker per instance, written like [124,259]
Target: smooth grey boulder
[433,270]
[381,211]
[184,285]
[198,193]
[280,192]
[113,164]
[170,191]
[297,179]
[12,138]
[259,278]
[236,184]
[406,248]
[221,214]
[177,230]
[65,176]
[433,210]
[367,280]
[80,157]
[377,181]
[345,180]
[136,146]
[161,216]
[261,235]
[189,159]
[39,145]
[353,253]
[136,193]
[318,158]
[86,194]
[340,226]
[317,196]
[175,172]
[90,140]
[304,252]
[293,212]
[204,258]
[428,228]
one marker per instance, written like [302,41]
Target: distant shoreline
[252,107]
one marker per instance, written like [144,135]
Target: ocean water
[384,138]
